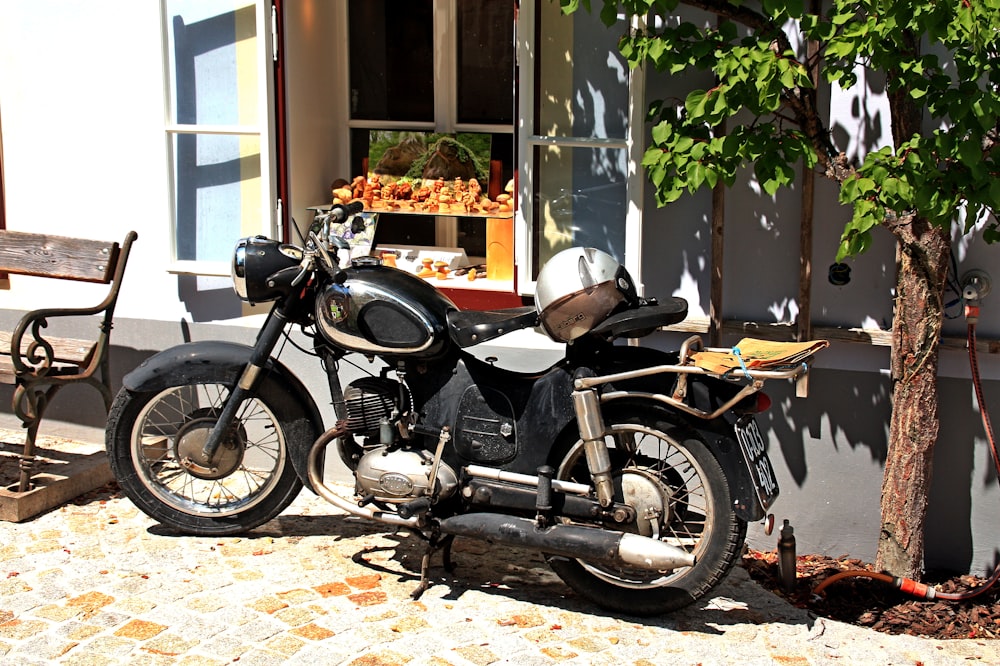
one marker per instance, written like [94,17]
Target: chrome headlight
[263,269]
[239,269]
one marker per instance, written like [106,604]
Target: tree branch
[803,106]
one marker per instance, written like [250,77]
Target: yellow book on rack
[757,354]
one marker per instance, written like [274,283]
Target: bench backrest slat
[57,256]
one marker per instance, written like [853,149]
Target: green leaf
[662,132]
[695,103]
[970,153]
[696,176]
[711,177]
[657,174]
[683,144]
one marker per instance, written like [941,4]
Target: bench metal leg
[29,406]
[28,461]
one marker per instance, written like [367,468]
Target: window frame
[446,83]
[529,141]
[270,218]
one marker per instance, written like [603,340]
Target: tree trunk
[924,252]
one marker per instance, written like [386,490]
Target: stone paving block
[88,659]
[381,658]
[49,648]
[78,631]
[313,632]
[108,646]
[18,630]
[285,644]
[296,616]
[140,630]
[170,645]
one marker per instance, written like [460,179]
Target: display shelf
[494,289]
[499,215]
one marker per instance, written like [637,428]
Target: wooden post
[718,255]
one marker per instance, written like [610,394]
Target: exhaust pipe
[315,472]
[574,541]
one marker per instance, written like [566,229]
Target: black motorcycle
[633,470]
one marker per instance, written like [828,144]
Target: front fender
[223,362]
[719,434]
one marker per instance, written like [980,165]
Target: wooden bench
[38,365]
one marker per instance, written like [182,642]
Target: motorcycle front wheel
[681,496]
[153,436]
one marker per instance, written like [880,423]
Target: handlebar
[341,212]
[322,246]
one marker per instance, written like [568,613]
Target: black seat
[471,327]
[643,320]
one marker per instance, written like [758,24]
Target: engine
[372,401]
[387,470]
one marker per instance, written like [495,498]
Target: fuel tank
[384,311]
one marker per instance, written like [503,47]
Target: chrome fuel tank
[385,311]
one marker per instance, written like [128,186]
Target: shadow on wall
[844,412]
[958,477]
[208,298]
[79,404]
[853,409]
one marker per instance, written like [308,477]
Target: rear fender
[718,434]
[223,362]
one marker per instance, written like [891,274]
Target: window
[433,66]
[579,103]
[216,127]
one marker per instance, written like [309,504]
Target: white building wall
[82,107]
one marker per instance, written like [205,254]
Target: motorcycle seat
[643,320]
[471,327]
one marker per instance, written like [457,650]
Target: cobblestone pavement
[97,582]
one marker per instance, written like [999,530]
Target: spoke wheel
[680,496]
[155,443]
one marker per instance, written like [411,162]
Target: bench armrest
[37,355]
[34,353]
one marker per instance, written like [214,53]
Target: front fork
[587,405]
[266,341]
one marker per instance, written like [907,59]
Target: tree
[941,61]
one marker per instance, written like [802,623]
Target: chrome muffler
[574,541]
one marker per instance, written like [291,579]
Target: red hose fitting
[914,588]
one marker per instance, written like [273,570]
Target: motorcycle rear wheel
[698,515]
[252,479]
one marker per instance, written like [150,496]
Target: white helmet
[577,289]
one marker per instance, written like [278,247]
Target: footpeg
[417,507]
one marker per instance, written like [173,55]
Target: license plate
[755,456]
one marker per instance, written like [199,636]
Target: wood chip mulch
[877,605]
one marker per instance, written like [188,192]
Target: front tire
[250,481]
[681,496]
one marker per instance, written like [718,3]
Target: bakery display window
[431,97]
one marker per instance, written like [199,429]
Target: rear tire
[649,451]
[252,478]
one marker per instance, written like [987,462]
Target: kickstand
[434,543]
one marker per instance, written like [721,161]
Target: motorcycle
[633,470]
